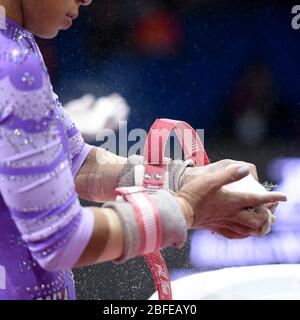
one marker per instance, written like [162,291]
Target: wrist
[177,174]
[184,178]
[187,211]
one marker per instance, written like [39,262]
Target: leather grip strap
[154,177]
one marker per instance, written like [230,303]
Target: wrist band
[173,226]
[134,171]
[147,217]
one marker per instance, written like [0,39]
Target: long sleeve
[40,155]
[79,150]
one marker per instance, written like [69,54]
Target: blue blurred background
[229,67]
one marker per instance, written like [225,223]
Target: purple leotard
[43,228]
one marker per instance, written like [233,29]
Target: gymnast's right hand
[207,205]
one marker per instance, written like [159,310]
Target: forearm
[106,242]
[99,176]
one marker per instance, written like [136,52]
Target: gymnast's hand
[194,172]
[207,205]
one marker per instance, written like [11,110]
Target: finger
[274,197]
[263,219]
[242,230]
[272,206]
[229,234]
[247,200]
[252,169]
[250,219]
[250,166]
[227,163]
[231,174]
[270,219]
[266,228]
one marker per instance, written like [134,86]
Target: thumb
[231,174]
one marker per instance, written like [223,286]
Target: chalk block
[248,184]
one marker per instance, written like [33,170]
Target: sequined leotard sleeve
[41,152]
